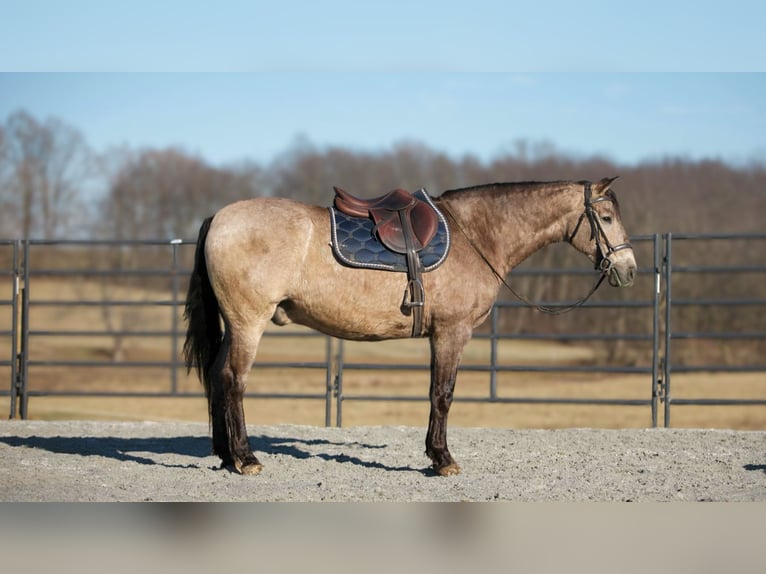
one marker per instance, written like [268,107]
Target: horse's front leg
[446,350]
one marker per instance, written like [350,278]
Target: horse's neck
[510,225]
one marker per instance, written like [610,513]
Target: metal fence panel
[676,329]
[167,264]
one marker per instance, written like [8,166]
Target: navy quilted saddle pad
[355,244]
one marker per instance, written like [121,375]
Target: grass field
[113,376]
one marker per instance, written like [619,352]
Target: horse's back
[261,213]
[264,224]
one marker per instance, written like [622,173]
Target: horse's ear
[602,186]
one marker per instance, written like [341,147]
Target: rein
[603,264]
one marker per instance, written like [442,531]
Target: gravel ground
[105,461]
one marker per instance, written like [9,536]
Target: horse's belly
[353,304]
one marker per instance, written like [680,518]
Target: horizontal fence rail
[95,284]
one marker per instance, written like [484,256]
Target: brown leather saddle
[396,214]
[404,224]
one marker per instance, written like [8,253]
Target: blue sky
[228,118]
[630,81]
[388,35]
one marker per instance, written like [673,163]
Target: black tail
[203,333]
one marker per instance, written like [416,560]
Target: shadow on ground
[140,450]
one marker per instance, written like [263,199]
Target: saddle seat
[392,212]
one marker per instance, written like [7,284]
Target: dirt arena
[143,461]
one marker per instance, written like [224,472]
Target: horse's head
[598,233]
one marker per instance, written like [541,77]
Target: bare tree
[163,194]
[45,167]
[5,195]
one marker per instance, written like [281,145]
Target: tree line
[54,185]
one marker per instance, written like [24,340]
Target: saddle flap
[388,226]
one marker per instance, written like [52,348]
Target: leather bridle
[604,249]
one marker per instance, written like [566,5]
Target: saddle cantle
[397,231]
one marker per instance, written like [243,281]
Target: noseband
[604,249]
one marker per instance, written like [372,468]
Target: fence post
[339,385]
[656,327]
[174,318]
[328,382]
[22,391]
[668,267]
[15,328]
[493,355]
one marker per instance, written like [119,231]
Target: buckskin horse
[270,259]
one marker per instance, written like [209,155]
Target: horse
[269,259]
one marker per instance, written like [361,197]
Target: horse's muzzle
[622,275]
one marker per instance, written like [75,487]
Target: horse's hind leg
[218,406]
[230,440]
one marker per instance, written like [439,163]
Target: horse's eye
[607,219]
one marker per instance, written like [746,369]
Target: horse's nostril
[631,274]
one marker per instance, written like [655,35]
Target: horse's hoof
[252,469]
[449,470]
